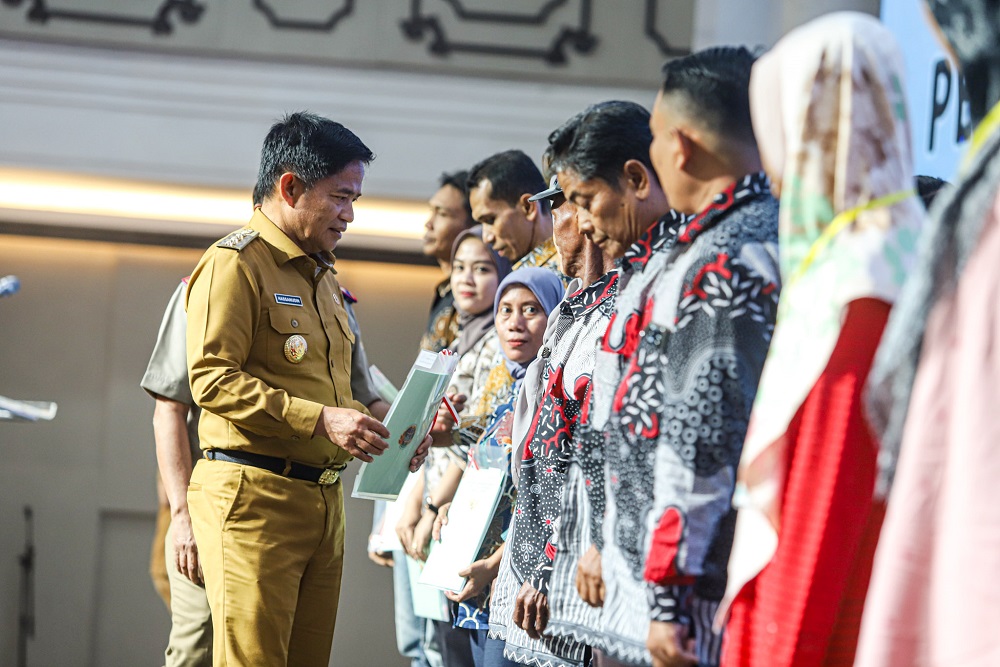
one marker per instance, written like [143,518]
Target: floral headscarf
[839,138]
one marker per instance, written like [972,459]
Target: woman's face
[520,323]
[473,277]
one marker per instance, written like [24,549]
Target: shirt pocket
[291,334]
[344,326]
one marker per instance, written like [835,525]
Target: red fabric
[804,608]
[661,563]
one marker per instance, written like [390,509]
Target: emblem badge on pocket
[296,348]
[407,436]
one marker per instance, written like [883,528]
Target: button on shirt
[243,306]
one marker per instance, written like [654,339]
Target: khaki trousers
[272,552]
[190,643]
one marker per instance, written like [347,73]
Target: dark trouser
[454,644]
[488,652]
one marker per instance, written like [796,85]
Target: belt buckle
[329,476]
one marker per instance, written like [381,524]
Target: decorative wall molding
[579,38]
[327,24]
[653,32]
[184,119]
[189,11]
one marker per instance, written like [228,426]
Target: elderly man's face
[568,239]
[605,212]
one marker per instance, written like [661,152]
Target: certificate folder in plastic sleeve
[469,518]
[409,420]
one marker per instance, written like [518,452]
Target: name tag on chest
[288,300]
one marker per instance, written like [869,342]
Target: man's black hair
[715,87]
[597,142]
[511,173]
[309,146]
[460,181]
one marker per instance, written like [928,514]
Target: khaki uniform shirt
[243,306]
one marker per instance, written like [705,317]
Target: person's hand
[589,583]
[444,423]
[458,400]
[669,645]
[441,430]
[420,454]
[478,576]
[417,548]
[531,611]
[382,559]
[440,521]
[185,549]
[355,432]
[408,522]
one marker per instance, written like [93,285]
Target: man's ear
[637,177]
[528,208]
[290,188]
[685,148]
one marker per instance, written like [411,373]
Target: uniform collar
[583,301]
[284,249]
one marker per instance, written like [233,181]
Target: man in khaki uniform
[269,357]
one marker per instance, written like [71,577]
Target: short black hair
[597,142]
[511,173]
[715,85]
[928,188]
[311,147]
[460,181]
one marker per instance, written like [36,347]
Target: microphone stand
[26,615]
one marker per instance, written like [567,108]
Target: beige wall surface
[80,332]
[554,40]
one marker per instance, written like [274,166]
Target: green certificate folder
[408,421]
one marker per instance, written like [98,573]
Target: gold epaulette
[239,239]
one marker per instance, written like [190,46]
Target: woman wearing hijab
[521,309]
[476,273]
[829,114]
[935,597]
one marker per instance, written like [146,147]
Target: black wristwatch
[431,506]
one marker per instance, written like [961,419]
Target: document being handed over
[409,420]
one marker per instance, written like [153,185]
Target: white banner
[939,111]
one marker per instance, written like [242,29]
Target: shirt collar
[539,256]
[583,301]
[749,187]
[652,240]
